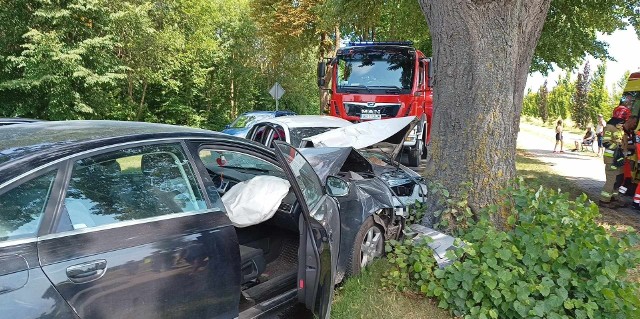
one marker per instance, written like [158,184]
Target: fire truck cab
[381,80]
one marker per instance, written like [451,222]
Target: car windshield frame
[372,70]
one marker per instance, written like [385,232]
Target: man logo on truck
[381,80]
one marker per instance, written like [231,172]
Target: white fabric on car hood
[360,135]
[256,200]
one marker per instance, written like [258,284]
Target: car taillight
[301,283]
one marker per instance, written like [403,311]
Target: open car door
[319,232]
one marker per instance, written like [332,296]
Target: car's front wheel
[414,154]
[424,147]
[368,245]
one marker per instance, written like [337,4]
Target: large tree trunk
[482,52]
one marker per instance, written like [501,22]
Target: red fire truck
[381,80]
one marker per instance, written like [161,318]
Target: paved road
[585,169]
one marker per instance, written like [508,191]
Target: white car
[293,129]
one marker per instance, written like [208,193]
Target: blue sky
[624,46]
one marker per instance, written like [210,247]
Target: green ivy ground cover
[553,261]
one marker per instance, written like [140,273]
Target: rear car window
[22,207]
[130,184]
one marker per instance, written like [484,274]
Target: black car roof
[16,120]
[48,141]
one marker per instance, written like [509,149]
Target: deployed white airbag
[253,201]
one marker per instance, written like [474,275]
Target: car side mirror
[336,187]
[227,126]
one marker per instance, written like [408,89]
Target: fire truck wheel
[424,148]
[414,155]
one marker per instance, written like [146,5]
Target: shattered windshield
[386,69]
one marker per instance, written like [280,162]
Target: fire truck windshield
[372,70]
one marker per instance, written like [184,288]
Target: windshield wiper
[388,88]
[355,87]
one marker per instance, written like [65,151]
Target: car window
[130,184]
[278,135]
[22,207]
[305,175]
[236,160]
[228,168]
[260,134]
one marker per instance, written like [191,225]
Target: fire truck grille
[386,110]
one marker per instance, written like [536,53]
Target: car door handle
[87,272]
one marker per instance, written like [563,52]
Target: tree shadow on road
[536,172]
[578,156]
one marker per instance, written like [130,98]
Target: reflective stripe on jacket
[611,140]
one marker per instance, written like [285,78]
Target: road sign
[277,92]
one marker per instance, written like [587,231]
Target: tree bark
[142,106]
[482,52]
[336,30]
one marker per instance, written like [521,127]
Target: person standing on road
[614,143]
[599,130]
[559,137]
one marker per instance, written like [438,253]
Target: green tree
[572,26]
[543,95]
[581,110]
[530,104]
[65,66]
[561,98]
[483,51]
[598,99]
[389,20]
[618,88]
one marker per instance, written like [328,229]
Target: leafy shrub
[553,261]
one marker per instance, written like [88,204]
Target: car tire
[367,246]
[424,148]
[414,155]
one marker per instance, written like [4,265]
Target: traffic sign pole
[276,92]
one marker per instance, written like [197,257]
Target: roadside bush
[552,261]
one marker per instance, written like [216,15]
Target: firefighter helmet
[622,112]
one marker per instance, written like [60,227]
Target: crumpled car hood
[386,136]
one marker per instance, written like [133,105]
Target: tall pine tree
[543,109]
[598,100]
[580,112]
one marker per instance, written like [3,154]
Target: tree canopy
[202,62]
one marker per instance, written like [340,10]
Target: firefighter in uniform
[636,197]
[628,181]
[614,143]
